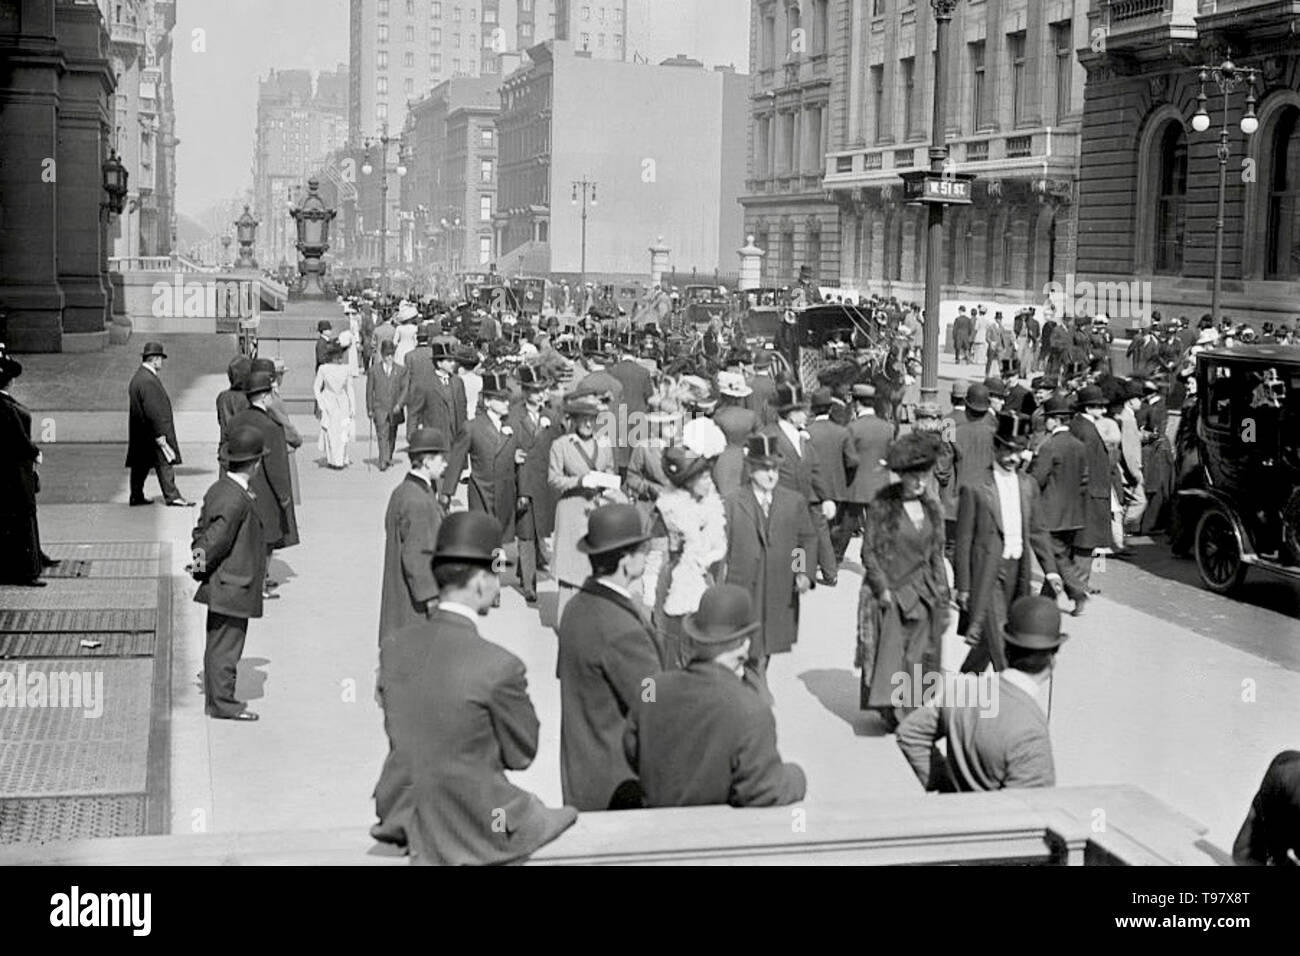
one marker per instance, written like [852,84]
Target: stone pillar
[29,282]
[751,265]
[658,261]
[84,92]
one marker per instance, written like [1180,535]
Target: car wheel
[1218,553]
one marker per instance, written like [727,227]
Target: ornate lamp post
[312,218]
[584,185]
[1227,76]
[246,229]
[115,184]
[225,249]
[367,168]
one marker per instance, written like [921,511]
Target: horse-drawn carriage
[1238,504]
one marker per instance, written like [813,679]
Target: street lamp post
[1227,76]
[584,185]
[367,168]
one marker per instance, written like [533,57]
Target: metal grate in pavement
[70,568]
[76,621]
[89,644]
[104,550]
[96,568]
[45,819]
[84,594]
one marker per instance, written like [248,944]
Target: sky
[216,71]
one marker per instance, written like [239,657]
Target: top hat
[762,450]
[805,272]
[788,397]
[960,390]
[324,325]
[495,385]
[1058,406]
[532,379]
[1013,431]
[996,388]
[387,347]
[243,444]
[441,350]
[1044,383]
[733,384]
[1089,395]
[595,345]
[427,441]
[468,537]
[915,451]
[977,397]
[1034,623]
[151,349]
[864,391]
[612,528]
[682,466]
[822,398]
[259,382]
[726,614]
[1010,367]
[583,405]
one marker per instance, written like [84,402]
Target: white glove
[828,510]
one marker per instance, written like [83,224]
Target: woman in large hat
[904,602]
[333,388]
[21,561]
[581,471]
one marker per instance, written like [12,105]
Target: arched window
[1171,201]
[1283,236]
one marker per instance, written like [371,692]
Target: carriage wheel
[1218,554]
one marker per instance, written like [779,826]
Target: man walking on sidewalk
[152,442]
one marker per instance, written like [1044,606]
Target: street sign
[925,186]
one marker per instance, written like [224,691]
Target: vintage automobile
[702,304]
[823,334]
[1238,502]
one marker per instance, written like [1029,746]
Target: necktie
[765,502]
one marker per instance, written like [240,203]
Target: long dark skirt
[20,547]
[889,645]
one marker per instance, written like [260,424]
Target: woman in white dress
[333,388]
[403,341]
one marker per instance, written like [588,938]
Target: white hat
[733,384]
[345,338]
[1207,337]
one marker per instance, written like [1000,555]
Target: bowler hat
[612,528]
[532,379]
[243,444]
[682,467]
[788,397]
[1058,406]
[262,365]
[1044,383]
[864,391]
[441,350]
[387,347]
[324,325]
[915,451]
[153,348]
[822,398]
[1034,623]
[996,388]
[762,450]
[468,537]
[726,614]
[427,441]
[495,385]
[259,382]
[977,398]
[1013,431]
[1089,395]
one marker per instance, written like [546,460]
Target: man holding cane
[152,444]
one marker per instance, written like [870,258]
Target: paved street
[1162,684]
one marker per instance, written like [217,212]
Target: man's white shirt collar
[464,610]
[616,588]
[149,367]
[792,433]
[1028,683]
[238,478]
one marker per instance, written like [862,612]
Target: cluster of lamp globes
[1228,73]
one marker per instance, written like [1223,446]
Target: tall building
[1149,182]
[298,126]
[662,143]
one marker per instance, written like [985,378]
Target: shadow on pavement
[1261,589]
[250,682]
[837,690]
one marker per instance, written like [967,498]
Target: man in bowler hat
[152,444]
[386,385]
[228,559]
[410,529]
[1005,746]
[704,736]
[457,713]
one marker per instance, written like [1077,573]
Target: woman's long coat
[20,544]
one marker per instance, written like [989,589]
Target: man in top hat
[536,424]
[997,391]
[963,332]
[228,559]
[771,543]
[488,442]
[870,435]
[152,442]
[1090,407]
[836,451]
[762,387]
[386,386]
[438,400]
[1060,468]
[957,399]
[998,528]
[802,470]
[324,341]
[987,749]
[418,363]
[806,287]
[707,738]
[973,438]
[607,651]
[410,529]
[637,389]
[1043,386]
[457,713]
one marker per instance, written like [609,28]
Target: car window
[1219,385]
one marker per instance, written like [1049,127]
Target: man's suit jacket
[736,422]
[229,404]
[836,455]
[457,712]
[410,529]
[871,437]
[637,388]
[1096,531]
[493,487]
[228,552]
[802,474]
[535,442]
[386,391]
[607,652]
[430,404]
[761,558]
[323,345]
[978,548]
[708,739]
[1061,470]
[149,417]
[645,474]
[974,450]
[272,486]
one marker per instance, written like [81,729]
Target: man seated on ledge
[702,736]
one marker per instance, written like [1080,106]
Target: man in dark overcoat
[488,442]
[271,485]
[536,425]
[386,385]
[1096,531]
[608,650]
[973,439]
[1060,468]
[152,444]
[871,437]
[838,458]
[802,471]
[762,388]
[637,389]
[771,544]
[410,529]
[707,738]
[963,335]
[437,400]
[457,712]
[228,559]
